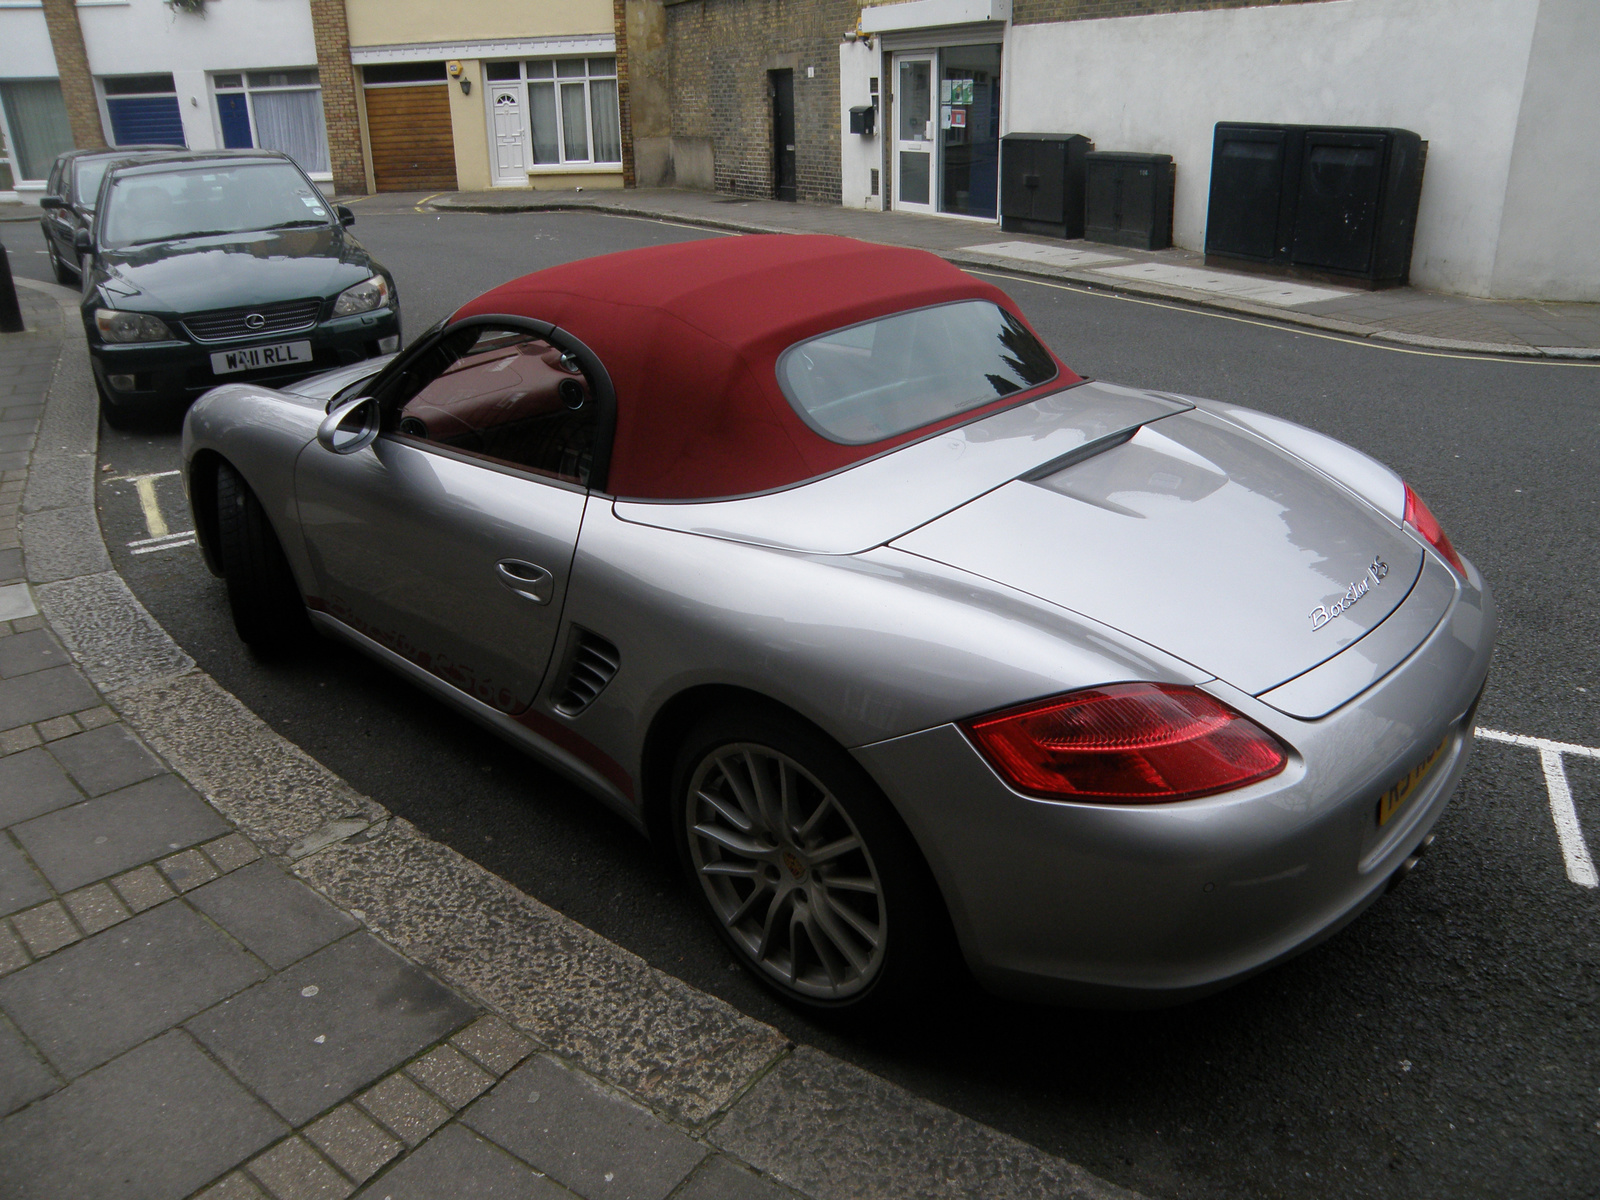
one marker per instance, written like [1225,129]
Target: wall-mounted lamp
[466,87]
[457,72]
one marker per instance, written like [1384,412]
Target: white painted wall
[1549,234]
[147,36]
[858,154]
[1453,72]
[25,45]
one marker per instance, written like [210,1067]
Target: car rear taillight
[1127,743]
[1425,523]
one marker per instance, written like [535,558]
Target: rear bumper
[180,371]
[1142,906]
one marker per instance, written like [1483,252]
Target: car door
[449,538]
[59,223]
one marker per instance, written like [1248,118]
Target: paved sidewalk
[1408,316]
[224,974]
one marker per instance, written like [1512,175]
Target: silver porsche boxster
[810,559]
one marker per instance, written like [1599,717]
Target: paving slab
[23,1078]
[25,653]
[44,694]
[87,1004]
[721,1178]
[105,759]
[100,837]
[353,1142]
[595,1142]
[20,885]
[279,918]
[155,1124]
[837,1132]
[453,1156]
[656,1037]
[313,1035]
[33,783]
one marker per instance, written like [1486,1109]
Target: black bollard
[10,310]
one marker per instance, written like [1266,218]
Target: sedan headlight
[117,326]
[364,297]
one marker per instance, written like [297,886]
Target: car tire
[762,804]
[267,607]
[65,276]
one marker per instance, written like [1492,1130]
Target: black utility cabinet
[1325,202]
[1128,199]
[1041,183]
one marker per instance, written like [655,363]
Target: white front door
[510,134]
[915,137]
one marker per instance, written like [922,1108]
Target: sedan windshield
[209,199]
[889,376]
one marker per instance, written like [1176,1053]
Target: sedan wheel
[808,873]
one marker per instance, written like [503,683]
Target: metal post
[10,310]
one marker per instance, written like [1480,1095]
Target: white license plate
[253,358]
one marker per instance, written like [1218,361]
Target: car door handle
[526,580]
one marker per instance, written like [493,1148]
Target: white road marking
[166,537]
[167,545]
[1563,812]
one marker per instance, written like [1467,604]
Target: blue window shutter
[235,121]
[137,120]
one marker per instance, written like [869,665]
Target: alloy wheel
[786,871]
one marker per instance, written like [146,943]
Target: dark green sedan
[220,267]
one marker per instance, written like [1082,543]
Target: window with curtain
[274,110]
[573,115]
[36,119]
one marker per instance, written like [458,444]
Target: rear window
[895,374]
[90,172]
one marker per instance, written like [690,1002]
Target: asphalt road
[1444,1046]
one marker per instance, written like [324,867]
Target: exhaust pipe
[1411,863]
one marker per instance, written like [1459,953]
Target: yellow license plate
[1394,799]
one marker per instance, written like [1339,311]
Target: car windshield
[886,377]
[208,199]
[90,171]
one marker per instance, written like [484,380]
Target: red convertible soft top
[691,334]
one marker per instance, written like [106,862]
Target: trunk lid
[1198,537]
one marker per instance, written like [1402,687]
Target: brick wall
[331,28]
[619,21]
[72,65]
[720,52]
[1038,12]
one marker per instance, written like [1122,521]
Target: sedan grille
[231,324]
[591,664]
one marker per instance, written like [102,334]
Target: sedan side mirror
[82,242]
[351,426]
[346,217]
[52,202]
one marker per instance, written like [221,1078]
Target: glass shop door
[914,144]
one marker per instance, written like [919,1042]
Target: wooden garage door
[412,150]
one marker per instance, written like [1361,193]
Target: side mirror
[350,427]
[82,242]
[346,217]
[52,202]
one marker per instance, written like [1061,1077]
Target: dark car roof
[691,333]
[179,158]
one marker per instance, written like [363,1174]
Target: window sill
[575,169]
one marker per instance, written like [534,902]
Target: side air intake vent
[592,662]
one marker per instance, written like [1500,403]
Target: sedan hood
[1197,537]
[229,270]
